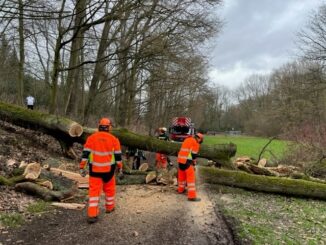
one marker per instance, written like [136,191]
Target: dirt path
[144,215]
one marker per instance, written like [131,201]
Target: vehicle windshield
[181,130]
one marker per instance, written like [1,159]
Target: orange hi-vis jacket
[189,150]
[101,151]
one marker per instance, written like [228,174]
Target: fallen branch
[74,206]
[42,192]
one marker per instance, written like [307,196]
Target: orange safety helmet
[200,137]
[104,124]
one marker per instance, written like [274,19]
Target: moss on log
[50,124]
[279,185]
[134,179]
[12,180]
[43,192]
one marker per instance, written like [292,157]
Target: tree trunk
[67,132]
[44,193]
[279,185]
[36,120]
[219,153]
[62,129]
[75,53]
[21,54]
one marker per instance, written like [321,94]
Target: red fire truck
[181,128]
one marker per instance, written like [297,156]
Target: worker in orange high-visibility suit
[102,152]
[187,160]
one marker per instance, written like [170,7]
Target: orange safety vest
[189,146]
[102,147]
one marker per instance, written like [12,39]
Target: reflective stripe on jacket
[101,150]
[188,151]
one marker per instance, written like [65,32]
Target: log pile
[34,180]
[248,165]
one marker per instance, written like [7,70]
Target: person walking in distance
[102,153]
[30,100]
[186,169]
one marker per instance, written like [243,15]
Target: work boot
[195,199]
[109,210]
[91,220]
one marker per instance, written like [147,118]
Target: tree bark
[279,185]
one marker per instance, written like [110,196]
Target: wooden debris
[71,175]
[262,162]
[44,193]
[151,176]
[11,162]
[143,167]
[46,167]
[23,164]
[74,206]
[32,171]
[48,184]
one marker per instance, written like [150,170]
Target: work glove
[82,172]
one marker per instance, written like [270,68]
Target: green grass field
[250,146]
[262,218]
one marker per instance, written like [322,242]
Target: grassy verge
[251,146]
[11,219]
[15,219]
[39,207]
[272,219]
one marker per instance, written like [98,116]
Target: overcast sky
[258,36]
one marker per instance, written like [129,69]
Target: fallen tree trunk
[37,120]
[279,185]
[219,153]
[63,129]
[67,132]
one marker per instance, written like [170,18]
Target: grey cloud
[255,29]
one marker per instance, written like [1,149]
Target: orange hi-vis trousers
[95,187]
[187,177]
[161,161]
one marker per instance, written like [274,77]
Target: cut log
[279,185]
[42,192]
[48,184]
[61,128]
[262,162]
[258,170]
[37,120]
[74,206]
[32,171]
[144,167]
[71,175]
[151,176]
